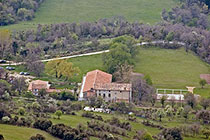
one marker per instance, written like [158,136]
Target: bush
[143,135]
[1,137]
[21,111]
[206,132]
[116,122]
[42,124]
[6,119]
[92,116]
[171,134]
[4,113]
[37,137]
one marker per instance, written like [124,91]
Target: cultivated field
[59,11]
[21,133]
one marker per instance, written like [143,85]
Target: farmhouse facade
[99,84]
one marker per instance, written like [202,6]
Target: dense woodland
[12,11]
[68,38]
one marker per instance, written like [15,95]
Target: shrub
[143,135]
[3,113]
[6,119]
[92,116]
[58,113]
[42,124]
[206,132]
[1,137]
[171,134]
[21,111]
[37,137]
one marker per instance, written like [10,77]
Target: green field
[167,68]
[59,11]
[21,133]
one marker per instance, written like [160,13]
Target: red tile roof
[96,77]
[38,84]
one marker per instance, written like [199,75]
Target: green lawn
[21,133]
[59,11]
[171,68]
[167,68]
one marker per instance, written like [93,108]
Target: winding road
[99,52]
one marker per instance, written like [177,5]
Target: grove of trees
[12,11]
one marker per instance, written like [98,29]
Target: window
[99,94]
[109,95]
[104,95]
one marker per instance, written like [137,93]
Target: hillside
[59,11]
[167,68]
[21,133]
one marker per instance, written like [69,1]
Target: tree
[34,65]
[3,74]
[58,113]
[205,103]
[129,42]
[160,113]
[148,80]
[202,83]
[123,73]
[190,99]
[5,42]
[42,92]
[24,14]
[118,55]
[96,101]
[4,87]
[19,85]
[61,68]
[186,111]
[162,100]
[204,115]
[141,90]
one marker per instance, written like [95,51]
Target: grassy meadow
[167,68]
[59,11]
[21,133]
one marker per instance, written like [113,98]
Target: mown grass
[21,133]
[59,11]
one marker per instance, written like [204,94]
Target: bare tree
[19,85]
[34,65]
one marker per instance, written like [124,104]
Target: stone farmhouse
[37,85]
[99,84]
